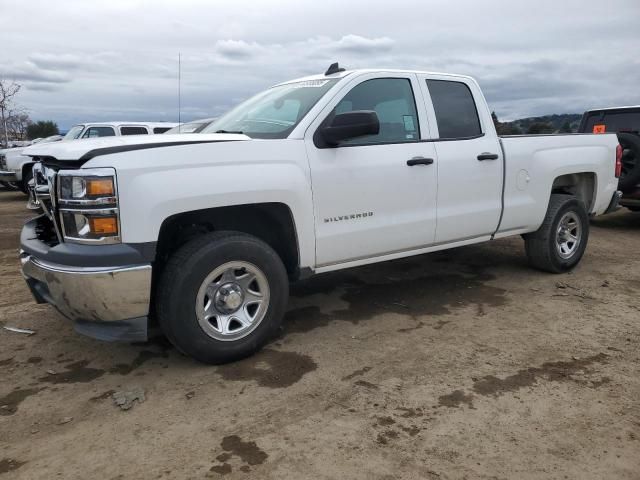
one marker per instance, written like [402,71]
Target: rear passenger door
[470,165]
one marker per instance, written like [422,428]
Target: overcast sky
[81,60]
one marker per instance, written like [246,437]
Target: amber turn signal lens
[103,225]
[100,187]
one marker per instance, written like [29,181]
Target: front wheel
[24,183]
[222,296]
[10,186]
[558,245]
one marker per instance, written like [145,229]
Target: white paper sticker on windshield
[408,123]
[309,84]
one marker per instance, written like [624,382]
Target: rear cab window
[611,121]
[95,132]
[455,109]
[133,131]
[157,130]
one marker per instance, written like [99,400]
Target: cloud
[30,72]
[363,45]
[42,87]
[237,49]
[120,57]
[52,61]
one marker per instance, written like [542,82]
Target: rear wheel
[222,296]
[558,245]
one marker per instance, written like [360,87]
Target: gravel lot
[461,364]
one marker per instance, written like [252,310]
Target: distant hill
[557,121]
[563,123]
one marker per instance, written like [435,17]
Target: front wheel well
[271,222]
[580,185]
[26,167]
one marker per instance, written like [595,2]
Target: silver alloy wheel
[232,301]
[568,235]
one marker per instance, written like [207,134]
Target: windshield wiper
[228,131]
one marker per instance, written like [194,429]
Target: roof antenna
[179,93]
[334,68]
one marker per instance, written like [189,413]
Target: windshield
[74,133]
[273,113]
[190,127]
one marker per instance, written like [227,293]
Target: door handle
[419,161]
[487,156]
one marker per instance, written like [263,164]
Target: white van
[115,129]
[15,164]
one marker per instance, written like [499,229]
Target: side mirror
[348,125]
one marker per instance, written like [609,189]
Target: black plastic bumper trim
[75,255]
[615,203]
[132,330]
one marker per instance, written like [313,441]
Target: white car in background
[15,164]
[116,129]
[13,156]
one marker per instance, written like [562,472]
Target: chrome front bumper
[8,176]
[94,297]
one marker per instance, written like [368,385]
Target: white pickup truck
[204,232]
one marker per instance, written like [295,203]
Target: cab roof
[626,107]
[127,124]
[344,73]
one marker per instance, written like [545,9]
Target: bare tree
[17,122]
[7,91]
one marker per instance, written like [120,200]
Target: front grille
[44,193]
[46,231]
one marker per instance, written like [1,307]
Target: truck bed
[531,159]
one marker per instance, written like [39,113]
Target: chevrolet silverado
[203,233]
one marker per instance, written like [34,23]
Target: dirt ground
[460,364]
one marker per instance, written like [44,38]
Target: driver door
[374,195]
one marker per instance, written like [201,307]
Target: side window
[455,109]
[393,101]
[161,129]
[94,132]
[133,131]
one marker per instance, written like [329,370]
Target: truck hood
[86,149]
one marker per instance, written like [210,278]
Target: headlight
[88,205]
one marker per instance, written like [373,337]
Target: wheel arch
[582,185]
[271,222]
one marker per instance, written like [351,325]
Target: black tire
[24,183]
[11,186]
[542,246]
[630,162]
[183,277]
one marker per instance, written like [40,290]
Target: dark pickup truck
[625,121]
